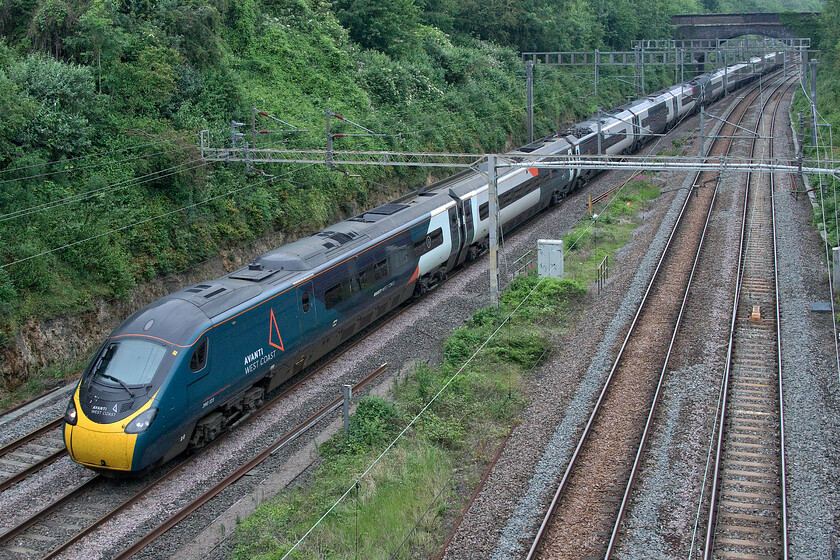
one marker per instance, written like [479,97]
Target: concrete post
[726,72]
[813,102]
[329,154]
[493,207]
[253,126]
[835,279]
[803,67]
[597,60]
[636,72]
[702,131]
[348,392]
[598,134]
[644,88]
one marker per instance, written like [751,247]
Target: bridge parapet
[727,26]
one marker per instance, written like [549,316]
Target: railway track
[31,453]
[747,508]
[96,501]
[584,516]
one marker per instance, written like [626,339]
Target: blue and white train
[183,369]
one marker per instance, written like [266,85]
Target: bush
[374,423]
[551,293]
[8,294]
[65,93]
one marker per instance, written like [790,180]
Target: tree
[65,97]
[96,34]
[385,25]
[51,24]
[147,84]
[194,24]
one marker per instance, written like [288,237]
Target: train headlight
[70,414]
[141,422]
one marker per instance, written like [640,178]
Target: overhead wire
[92,166]
[414,420]
[102,190]
[153,218]
[113,187]
[98,154]
[822,209]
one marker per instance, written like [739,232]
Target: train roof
[172,319]
[180,316]
[551,144]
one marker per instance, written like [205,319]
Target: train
[187,367]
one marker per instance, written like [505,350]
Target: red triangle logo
[272,331]
[533,171]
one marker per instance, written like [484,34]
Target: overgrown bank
[826,37]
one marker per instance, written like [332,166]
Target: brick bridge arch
[728,26]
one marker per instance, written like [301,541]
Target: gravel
[661,523]
[29,417]
[661,520]
[809,366]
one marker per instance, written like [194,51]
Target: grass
[592,240]
[405,504]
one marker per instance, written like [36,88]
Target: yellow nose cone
[100,446]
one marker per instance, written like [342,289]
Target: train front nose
[101,446]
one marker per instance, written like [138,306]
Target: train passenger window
[484,211]
[304,301]
[365,277]
[429,242]
[333,296]
[380,269]
[199,356]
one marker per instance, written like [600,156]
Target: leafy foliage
[102,100]
[385,25]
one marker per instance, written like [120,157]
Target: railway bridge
[727,26]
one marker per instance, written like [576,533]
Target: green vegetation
[444,451]
[40,382]
[589,242]
[102,182]
[425,479]
[826,36]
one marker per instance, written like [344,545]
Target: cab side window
[199,357]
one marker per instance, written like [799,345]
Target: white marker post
[348,392]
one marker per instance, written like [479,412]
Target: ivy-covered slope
[101,182]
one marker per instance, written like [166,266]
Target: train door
[308,319]
[201,387]
[467,227]
[637,127]
[455,233]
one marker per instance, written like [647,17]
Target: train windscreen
[131,361]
